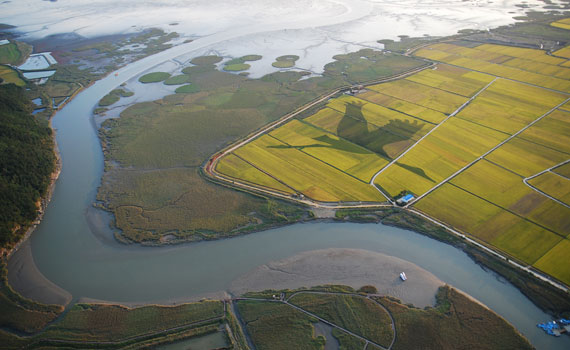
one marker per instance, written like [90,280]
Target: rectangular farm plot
[379,129]
[507,190]
[452,79]
[305,173]
[412,109]
[552,131]
[555,262]
[453,145]
[526,158]
[330,149]
[520,52]
[554,185]
[422,95]
[509,106]
[563,23]
[489,223]
[563,170]
[541,68]
[235,167]
[563,52]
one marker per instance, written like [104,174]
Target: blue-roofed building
[406,199]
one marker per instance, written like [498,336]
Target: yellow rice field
[507,190]
[452,79]
[492,59]
[563,23]
[489,223]
[305,173]
[554,262]
[552,131]
[422,95]
[563,52]
[563,170]
[424,113]
[235,167]
[509,106]
[526,158]
[554,185]
[328,148]
[453,145]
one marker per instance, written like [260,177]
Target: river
[93,266]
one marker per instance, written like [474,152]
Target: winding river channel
[89,265]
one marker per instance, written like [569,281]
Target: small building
[405,200]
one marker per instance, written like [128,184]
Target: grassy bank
[455,322]
[114,326]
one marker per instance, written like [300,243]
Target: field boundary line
[432,130]
[488,152]
[525,180]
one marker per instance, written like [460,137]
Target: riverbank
[547,297]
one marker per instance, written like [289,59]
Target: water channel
[69,254]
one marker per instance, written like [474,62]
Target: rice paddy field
[525,65]
[489,199]
[563,23]
[509,123]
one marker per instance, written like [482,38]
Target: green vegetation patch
[206,60]
[237,67]
[9,75]
[357,314]
[9,53]
[114,96]
[277,326]
[154,77]
[14,53]
[177,80]
[187,89]
[27,161]
[456,323]
[286,61]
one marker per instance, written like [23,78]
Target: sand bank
[352,267]
[24,277]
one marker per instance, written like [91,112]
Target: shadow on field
[355,128]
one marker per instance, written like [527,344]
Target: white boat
[403,276]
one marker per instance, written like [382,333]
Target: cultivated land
[477,139]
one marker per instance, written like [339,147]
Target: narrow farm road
[525,180]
